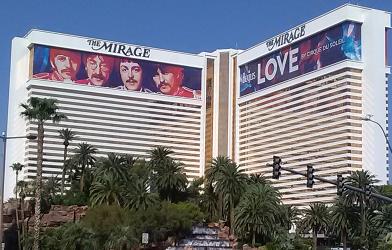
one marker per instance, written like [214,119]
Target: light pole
[5,138]
[368,118]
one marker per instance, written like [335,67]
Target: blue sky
[189,26]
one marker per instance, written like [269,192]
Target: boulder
[59,215]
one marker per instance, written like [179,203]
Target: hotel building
[108,117]
[303,94]
[300,95]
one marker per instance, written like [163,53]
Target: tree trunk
[231,216]
[314,238]
[220,206]
[363,222]
[82,181]
[63,174]
[253,237]
[344,239]
[16,210]
[38,183]
[22,216]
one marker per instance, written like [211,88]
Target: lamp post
[5,138]
[368,118]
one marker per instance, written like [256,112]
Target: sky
[180,25]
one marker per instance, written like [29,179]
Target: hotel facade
[300,95]
[303,94]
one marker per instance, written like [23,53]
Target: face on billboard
[131,75]
[168,79]
[65,63]
[120,73]
[98,69]
[65,66]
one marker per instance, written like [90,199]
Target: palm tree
[139,197]
[315,219]
[360,179]
[130,162]
[84,159]
[194,189]
[106,190]
[386,243]
[141,169]
[50,188]
[343,216]
[217,164]
[257,178]
[122,238]
[231,182]
[289,216]
[17,167]
[75,236]
[113,164]
[209,201]
[384,219]
[40,110]
[21,188]
[160,156]
[170,179]
[67,135]
[258,211]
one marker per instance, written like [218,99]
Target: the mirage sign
[286,38]
[120,49]
[335,44]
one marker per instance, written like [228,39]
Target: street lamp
[5,138]
[369,119]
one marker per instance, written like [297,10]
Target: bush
[103,219]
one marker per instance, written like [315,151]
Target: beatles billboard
[122,73]
[335,44]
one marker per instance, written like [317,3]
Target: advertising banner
[122,73]
[335,44]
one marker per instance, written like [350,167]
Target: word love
[278,64]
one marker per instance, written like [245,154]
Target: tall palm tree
[84,159]
[315,219]
[170,180]
[360,179]
[17,167]
[21,188]
[67,135]
[40,110]
[217,164]
[231,182]
[343,216]
[258,211]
